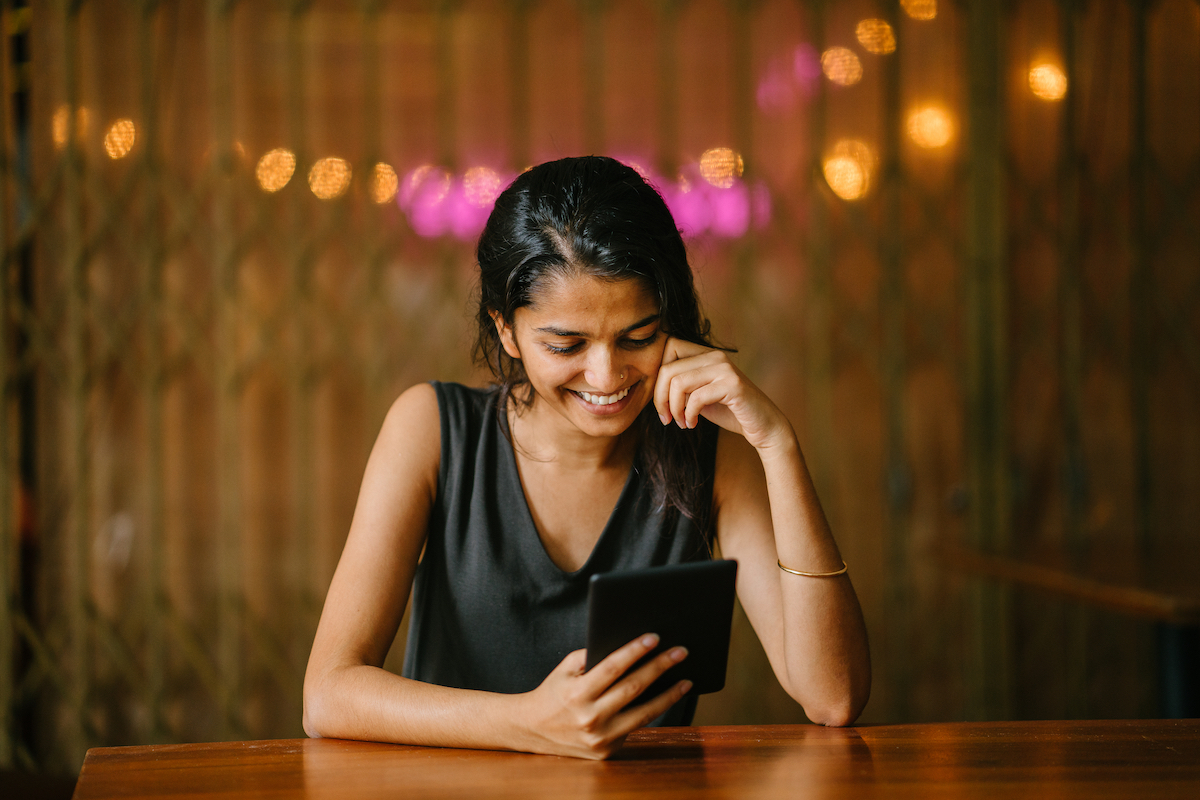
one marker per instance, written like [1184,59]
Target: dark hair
[593,216]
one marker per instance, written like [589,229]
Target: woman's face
[591,349]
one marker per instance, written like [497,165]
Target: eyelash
[634,344]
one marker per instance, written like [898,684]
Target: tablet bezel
[687,604]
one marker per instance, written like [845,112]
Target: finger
[635,683]
[640,716]
[684,383]
[662,392]
[617,663]
[678,357]
[671,350]
[715,393]
[681,348]
[669,379]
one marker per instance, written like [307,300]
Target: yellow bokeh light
[482,186]
[384,183]
[120,138]
[841,65]
[60,124]
[1047,81]
[930,127]
[275,169]
[876,36]
[920,9]
[329,178]
[721,166]
[848,170]
[432,182]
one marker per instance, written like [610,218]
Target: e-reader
[685,604]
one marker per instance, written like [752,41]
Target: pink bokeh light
[437,202]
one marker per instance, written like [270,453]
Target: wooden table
[1135,758]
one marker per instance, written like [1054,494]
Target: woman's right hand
[584,714]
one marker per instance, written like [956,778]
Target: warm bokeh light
[384,183]
[120,138]
[920,9]
[275,169]
[422,182]
[60,124]
[841,65]
[876,36]
[848,170]
[721,166]
[930,127]
[329,178]
[481,186]
[1047,81]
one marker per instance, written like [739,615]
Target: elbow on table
[841,708]
[315,724]
[834,715]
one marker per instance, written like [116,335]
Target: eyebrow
[641,323]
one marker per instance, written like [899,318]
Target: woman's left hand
[696,381]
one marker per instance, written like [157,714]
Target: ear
[505,331]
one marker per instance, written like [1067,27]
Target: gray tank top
[491,611]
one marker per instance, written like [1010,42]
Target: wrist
[781,443]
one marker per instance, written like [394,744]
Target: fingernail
[664,419]
[685,687]
[679,654]
[649,640]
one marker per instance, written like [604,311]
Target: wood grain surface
[1091,759]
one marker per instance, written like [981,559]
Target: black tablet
[685,604]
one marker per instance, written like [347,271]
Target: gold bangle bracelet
[833,574]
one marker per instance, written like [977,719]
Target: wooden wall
[992,347]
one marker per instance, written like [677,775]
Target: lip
[608,410]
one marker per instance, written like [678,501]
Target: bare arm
[767,510]
[348,695]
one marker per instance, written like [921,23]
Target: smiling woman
[617,437]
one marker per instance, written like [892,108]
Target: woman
[618,437]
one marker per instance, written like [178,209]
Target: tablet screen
[685,604]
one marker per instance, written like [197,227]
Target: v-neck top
[491,610]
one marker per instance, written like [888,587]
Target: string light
[920,9]
[1048,82]
[848,169]
[329,178]
[876,36]
[481,186]
[930,127]
[60,124]
[120,138]
[721,166]
[275,169]
[841,65]
[384,183]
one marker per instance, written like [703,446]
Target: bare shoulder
[418,404]
[410,441]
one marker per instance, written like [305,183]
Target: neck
[541,434]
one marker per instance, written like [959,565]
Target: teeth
[605,399]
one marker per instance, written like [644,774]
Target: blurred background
[957,241]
